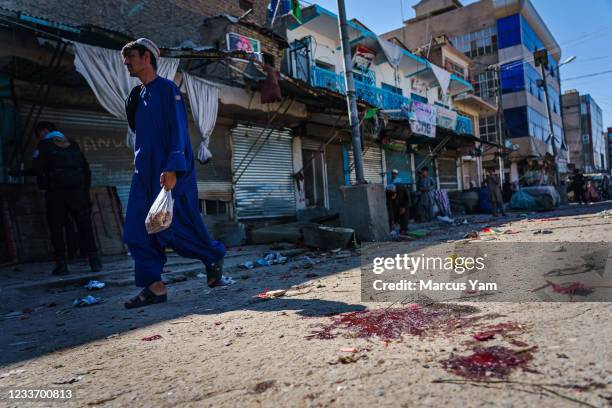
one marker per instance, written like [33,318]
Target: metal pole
[500,122]
[543,65]
[350,92]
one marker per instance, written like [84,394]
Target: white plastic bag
[159,217]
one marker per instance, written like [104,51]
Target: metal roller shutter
[102,140]
[265,189]
[372,164]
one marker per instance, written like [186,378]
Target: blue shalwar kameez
[162,145]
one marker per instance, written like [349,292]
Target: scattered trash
[484,336]
[151,338]
[418,233]
[495,361]
[558,248]
[95,285]
[112,336]
[542,232]
[201,275]
[272,258]
[87,301]
[343,254]
[270,294]
[349,349]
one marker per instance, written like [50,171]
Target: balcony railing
[381,98]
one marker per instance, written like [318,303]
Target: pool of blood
[392,323]
[489,362]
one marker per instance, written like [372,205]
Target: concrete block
[364,209]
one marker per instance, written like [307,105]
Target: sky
[583,28]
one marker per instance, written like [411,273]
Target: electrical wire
[589,75]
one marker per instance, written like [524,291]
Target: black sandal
[149,297]
[215,272]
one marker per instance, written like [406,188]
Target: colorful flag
[296,11]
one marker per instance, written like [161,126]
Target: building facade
[504,34]
[585,135]
[609,132]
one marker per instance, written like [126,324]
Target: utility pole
[499,120]
[350,92]
[541,59]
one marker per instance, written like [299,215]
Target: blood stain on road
[490,362]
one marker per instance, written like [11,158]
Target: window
[509,31]
[538,125]
[486,85]
[553,100]
[391,88]
[477,43]
[487,128]
[516,122]
[456,68]
[532,75]
[215,207]
[512,77]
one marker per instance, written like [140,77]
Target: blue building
[502,33]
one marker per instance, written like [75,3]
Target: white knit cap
[149,45]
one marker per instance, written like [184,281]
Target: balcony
[381,98]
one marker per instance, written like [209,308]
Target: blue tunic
[163,145]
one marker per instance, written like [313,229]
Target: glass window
[487,128]
[509,31]
[516,121]
[512,77]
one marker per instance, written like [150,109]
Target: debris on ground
[540,231]
[349,349]
[270,294]
[418,233]
[395,322]
[558,248]
[490,362]
[87,301]
[343,254]
[272,258]
[152,337]
[327,237]
[95,285]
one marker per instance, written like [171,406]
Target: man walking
[495,195]
[63,172]
[163,159]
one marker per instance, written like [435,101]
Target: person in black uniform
[63,172]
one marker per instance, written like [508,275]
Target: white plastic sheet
[109,79]
[204,101]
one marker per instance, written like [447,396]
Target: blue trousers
[189,238]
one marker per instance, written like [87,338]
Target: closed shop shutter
[447,168]
[310,144]
[265,189]
[102,140]
[372,164]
